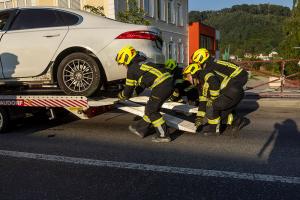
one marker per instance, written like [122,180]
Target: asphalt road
[100,159]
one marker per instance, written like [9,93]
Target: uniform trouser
[193,95]
[240,80]
[158,96]
[228,100]
[222,108]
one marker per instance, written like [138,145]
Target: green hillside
[247,28]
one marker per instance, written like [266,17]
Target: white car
[73,49]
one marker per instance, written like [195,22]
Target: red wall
[196,29]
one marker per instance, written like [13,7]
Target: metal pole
[282,77]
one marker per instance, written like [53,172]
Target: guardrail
[249,65]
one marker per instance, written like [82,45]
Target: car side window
[69,18]
[4,16]
[36,18]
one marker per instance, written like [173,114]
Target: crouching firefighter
[232,78]
[209,90]
[181,87]
[154,77]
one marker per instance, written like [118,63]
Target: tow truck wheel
[79,74]
[4,120]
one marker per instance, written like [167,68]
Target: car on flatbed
[72,49]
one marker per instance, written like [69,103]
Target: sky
[202,5]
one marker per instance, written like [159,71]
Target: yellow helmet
[125,55]
[200,56]
[191,69]
[171,64]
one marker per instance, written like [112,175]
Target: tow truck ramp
[134,106]
[85,108]
[172,121]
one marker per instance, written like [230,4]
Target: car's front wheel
[78,74]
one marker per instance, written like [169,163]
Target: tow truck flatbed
[85,108]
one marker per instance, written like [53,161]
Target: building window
[74,4]
[129,4]
[206,42]
[18,3]
[28,2]
[63,3]
[175,52]
[180,57]
[148,7]
[171,12]
[161,10]
[8,4]
[21,3]
[170,50]
[179,17]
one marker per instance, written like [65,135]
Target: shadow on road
[285,135]
[39,122]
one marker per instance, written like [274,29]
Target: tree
[292,35]
[95,10]
[247,28]
[133,14]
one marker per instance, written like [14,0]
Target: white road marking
[153,168]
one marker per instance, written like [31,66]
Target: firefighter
[209,90]
[154,77]
[233,78]
[181,87]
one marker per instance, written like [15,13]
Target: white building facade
[170,16]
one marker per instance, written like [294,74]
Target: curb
[270,103]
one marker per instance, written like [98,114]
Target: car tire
[4,120]
[78,74]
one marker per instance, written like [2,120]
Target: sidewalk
[264,91]
[264,96]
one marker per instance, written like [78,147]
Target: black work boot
[162,134]
[228,130]
[236,126]
[211,130]
[140,128]
[138,132]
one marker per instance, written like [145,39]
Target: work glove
[209,103]
[199,121]
[121,96]
[175,96]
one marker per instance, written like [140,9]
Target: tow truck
[18,106]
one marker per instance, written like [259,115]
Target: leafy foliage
[95,10]
[247,28]
[133,14]
[292,35]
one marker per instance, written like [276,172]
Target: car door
[5,18]
[29,45]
